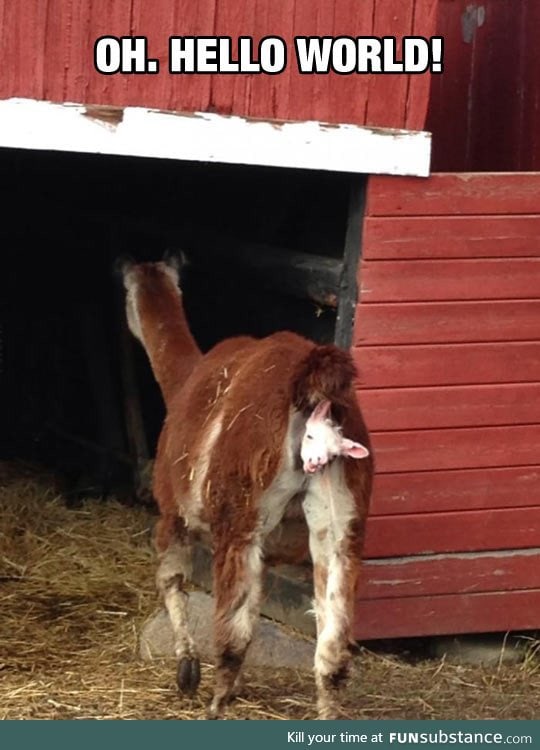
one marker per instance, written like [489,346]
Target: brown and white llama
[252,427]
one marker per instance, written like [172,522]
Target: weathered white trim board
[201,136]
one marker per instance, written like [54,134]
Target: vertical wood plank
[3,49]
[156,21]
[419,86]
[104,18]
[269,93]
[303,104]
[230,93]
[349,94]
[497,89]
[387,96]
[191,92]
[450,92]
[78,41]
[37,35]
[56,49]
[23,32]
[529,146]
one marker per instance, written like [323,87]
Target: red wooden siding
[446,574]
[455,531]
[428,450]
[449,490]
[451,237]
[449,614]
[454,406]
[46,51]
[484,109]
[456,195]
[451,280]
[447,340]
[449,322]
[448,364]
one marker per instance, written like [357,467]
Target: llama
[252,427]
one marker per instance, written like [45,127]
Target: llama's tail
[325,374]
[155,315]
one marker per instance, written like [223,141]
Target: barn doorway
[268,249]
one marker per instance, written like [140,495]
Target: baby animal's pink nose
[313,465]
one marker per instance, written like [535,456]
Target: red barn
[441,276]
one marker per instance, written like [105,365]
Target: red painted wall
[447,341]
[484,109]
[46,52]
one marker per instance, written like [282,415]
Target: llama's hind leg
[237,590]
[335,531]
[175,552]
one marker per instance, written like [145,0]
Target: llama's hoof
[214,712]
[188,674]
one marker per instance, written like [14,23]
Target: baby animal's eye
[309,437]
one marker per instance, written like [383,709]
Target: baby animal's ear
[353,450]
[320,412]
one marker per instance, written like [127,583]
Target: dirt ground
[76,585]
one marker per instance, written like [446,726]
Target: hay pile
[75,586]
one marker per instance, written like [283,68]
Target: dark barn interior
[266,252]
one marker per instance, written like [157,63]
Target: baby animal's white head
[323,441]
